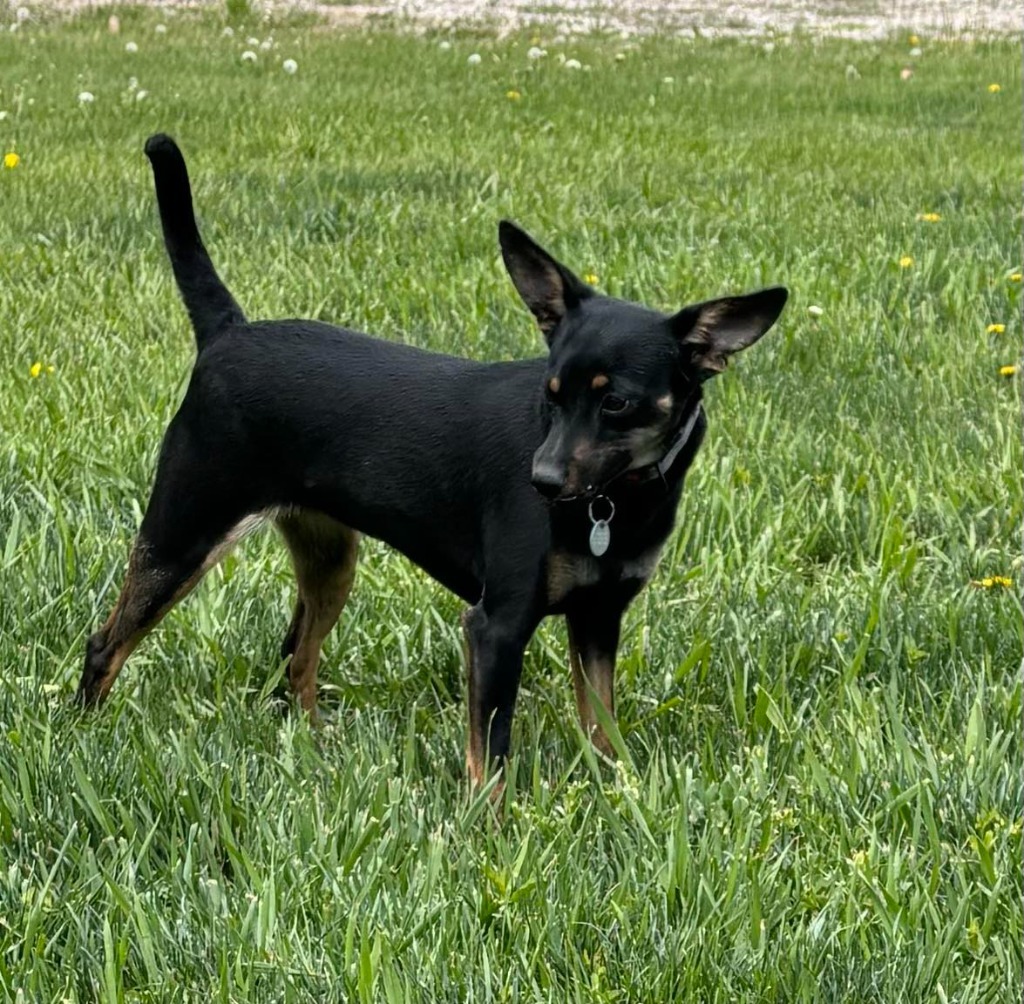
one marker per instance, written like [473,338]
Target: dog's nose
[548,479]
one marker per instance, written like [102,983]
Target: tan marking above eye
[599,381]
[554,384]
[665,403]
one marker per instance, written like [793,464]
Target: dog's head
[620,378]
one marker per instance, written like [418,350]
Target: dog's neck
[660,468]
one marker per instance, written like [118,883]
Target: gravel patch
[847,18]
[856,19]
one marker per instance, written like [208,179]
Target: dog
[528,488]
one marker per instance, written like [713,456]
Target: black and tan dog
[527,488]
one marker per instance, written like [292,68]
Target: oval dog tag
[600,535]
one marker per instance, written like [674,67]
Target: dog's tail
[210,306]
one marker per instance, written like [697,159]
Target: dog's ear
[712,331]
[547,287]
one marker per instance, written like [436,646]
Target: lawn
[819,692]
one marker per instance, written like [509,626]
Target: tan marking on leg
[128,623]
[324,554]
[599,381]
[474,741]
[600,674]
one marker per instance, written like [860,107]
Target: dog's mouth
[595,488]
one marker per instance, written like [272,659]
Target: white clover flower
[130,47]
[620,57]
[474,59]
[248,56]
[23,14]
[14,26]
[535,52]
[267,44]
[915,52]
[814,310]
[86,98]
[142,95]
[133,83]
[444,45]
[228,32]
[668,80]
[252,42]
[573,64]
[768,47]
[3,115]
[161,29]
[290,66]
[852,73]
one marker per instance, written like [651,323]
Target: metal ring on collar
[599,519]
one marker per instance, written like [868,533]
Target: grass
[821,797]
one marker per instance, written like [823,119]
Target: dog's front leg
[495,640]
[593,641]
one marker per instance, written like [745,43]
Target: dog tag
[600,534]
[600,538]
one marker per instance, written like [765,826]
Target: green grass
[822,796]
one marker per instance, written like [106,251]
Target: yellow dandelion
[1008,370]
[995,329]
[11,160]
[51,369]
[35,369]
[991,581]
[929,217]
[914,40]
[906,261]
[590,279]
[994,88]
[513,95]
[1016,276]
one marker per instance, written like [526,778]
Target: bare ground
[848,18]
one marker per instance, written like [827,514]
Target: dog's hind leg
[150,589]
[164,567]
[196,513]
[324,554]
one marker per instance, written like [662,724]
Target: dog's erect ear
[712,331]
[547,287]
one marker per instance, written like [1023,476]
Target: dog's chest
[567,572]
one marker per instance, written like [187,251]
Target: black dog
[528,488]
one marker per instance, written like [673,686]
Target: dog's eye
[614,405]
